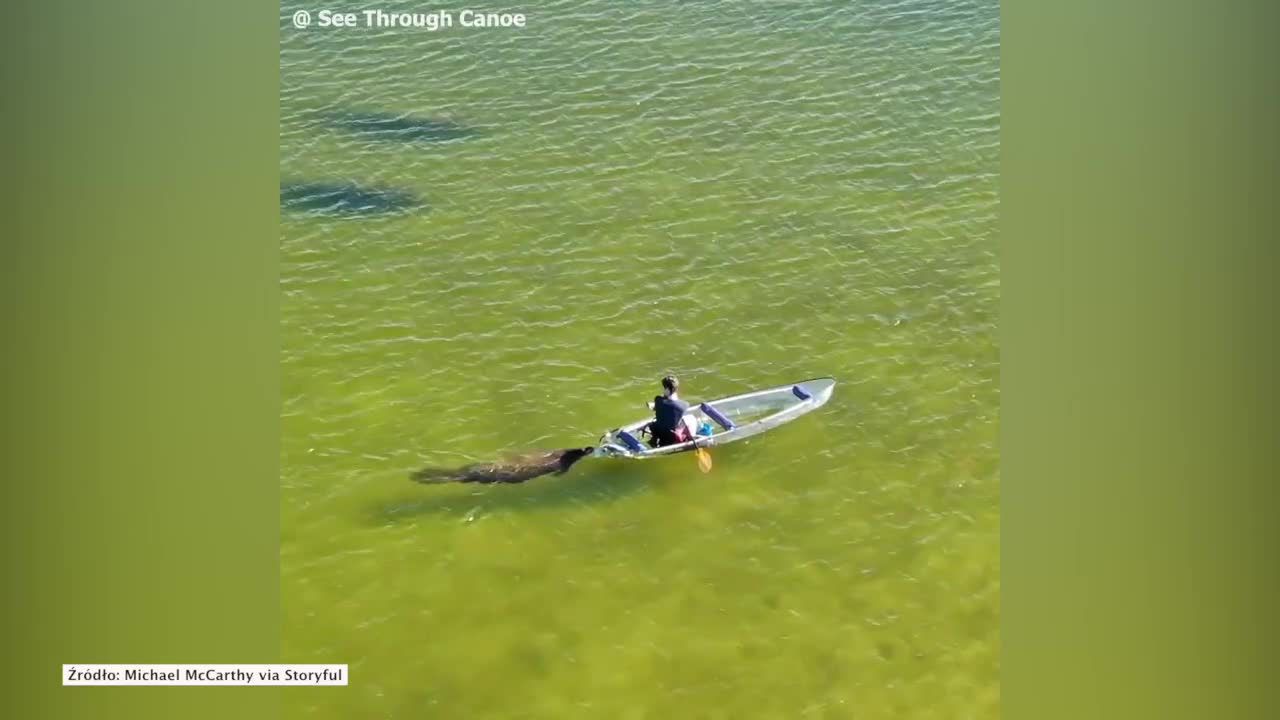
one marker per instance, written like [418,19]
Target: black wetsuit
[667,413]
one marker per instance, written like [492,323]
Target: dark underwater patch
[400,128]
[346,199]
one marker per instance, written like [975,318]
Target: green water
[744,194]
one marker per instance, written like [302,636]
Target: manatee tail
[434,475]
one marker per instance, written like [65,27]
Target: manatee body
[514,470]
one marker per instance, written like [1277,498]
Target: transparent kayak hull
[733,418]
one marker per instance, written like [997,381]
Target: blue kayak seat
[633,444]
[716,415]
[800,392]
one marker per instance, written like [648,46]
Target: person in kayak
[668,426]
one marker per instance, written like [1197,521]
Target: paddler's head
[670,385]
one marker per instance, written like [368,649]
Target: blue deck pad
[800,392]
[631,442]
[716,415]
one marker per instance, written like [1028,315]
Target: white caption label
[204,674]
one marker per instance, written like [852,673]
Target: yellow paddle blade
[704,460]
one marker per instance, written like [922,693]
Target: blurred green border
[1138,337]
[1139,224]
[141,505]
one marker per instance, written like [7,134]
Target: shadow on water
[594,482]
[346,199]
[400,128]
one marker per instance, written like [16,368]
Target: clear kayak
[728,419]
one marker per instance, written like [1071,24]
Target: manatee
[512,470]
[403,128]
[346,199]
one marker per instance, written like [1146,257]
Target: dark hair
[670,383]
